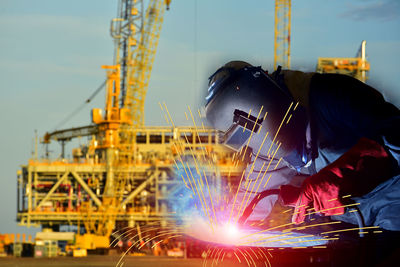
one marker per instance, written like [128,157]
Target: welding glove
[355,173]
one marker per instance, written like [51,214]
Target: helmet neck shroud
[251,90]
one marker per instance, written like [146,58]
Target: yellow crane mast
[282,33]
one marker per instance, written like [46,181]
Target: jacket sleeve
[355,173]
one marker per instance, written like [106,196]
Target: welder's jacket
[341,110]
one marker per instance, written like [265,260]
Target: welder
[329,141]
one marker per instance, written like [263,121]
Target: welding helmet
[248,107]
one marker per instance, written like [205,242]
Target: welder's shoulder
[340,86]
[298,83]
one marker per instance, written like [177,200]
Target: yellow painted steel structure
[126,173]
[282,33]
[357,67]
[72,191]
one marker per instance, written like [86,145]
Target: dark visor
[240,131]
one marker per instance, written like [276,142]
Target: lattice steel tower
[282,33]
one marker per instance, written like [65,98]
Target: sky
[51,54]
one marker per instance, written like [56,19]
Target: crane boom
[136,37]
[139,75]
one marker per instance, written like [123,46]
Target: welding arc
[249,209]
[78,109]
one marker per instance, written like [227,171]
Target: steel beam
[53,189]
[86,188]
[140,188]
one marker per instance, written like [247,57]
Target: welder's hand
[355,173]
[318,193]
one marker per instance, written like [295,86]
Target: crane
[282,33]
[135,48]
[136,37]
[136,33]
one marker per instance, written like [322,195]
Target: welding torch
[249,209]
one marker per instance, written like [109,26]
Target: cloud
[382,10]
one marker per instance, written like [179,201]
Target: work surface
[105,261]
[94,260]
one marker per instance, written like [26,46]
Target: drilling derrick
[125,175]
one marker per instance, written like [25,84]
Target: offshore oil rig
[125,175]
